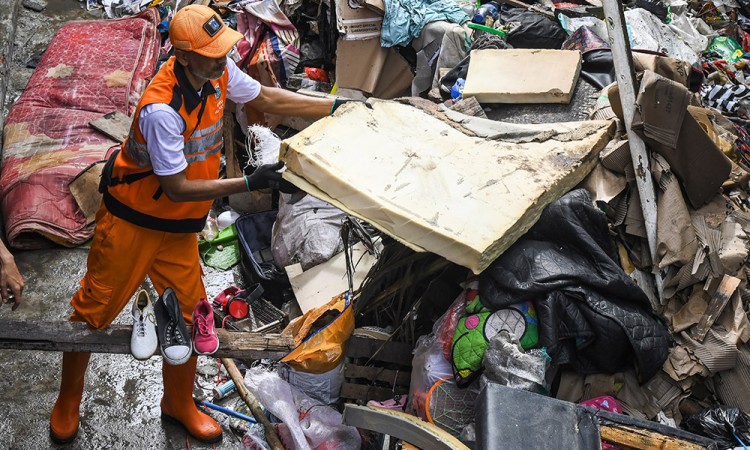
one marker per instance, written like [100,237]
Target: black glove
[340,101]
[268,176]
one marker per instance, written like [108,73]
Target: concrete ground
[120,408]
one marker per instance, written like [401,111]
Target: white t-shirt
[162,126]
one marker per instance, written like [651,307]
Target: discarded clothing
[592,316]
[404,19]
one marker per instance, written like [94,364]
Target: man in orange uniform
[157,196]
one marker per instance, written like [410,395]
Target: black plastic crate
[254,232]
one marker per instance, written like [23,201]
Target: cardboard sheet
[365,65]
[317,286]
[522,75]
[434,188]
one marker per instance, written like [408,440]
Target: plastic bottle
[487,11]
[458,89]
[227,218]
[224,389]
[211,229]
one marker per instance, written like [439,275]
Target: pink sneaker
[205,340]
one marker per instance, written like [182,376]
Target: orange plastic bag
[323,350]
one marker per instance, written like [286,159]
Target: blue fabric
[404,19]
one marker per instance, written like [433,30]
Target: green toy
[479,325]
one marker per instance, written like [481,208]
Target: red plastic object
[316,74]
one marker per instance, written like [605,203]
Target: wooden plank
[252,403]
[639,438]
[391,352]
[114,125]
[368,392]
[623,62]
[397,377]
[78,337]
[607,418]
[717,304]
[401,425]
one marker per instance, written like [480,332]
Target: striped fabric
[725,98]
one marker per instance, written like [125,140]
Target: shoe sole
[62,441]
[172,420]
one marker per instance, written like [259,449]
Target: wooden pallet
[375,370]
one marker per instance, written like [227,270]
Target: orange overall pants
[121,256]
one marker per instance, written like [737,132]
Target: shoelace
[141,327]
[201,325]
[176,336]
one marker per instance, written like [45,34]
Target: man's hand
[11,283]
[268,176]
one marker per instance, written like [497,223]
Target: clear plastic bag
[506,363]
[310,423]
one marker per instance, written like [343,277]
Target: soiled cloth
[404,19]
[592,316]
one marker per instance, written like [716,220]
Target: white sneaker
[143,341]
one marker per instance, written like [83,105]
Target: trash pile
[472,252]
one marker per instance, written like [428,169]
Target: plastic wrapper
[310,423]
[320,350]
[306,232]
[428,367]
[506,363]
[324,387]
[727,48]
[432,352]
[723,424]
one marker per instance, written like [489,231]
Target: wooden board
[78,337]
[639,438]
[631,432]
[401,425]
[114,125]
[377,350]
[318,285]
[717,304]
[398,377]
[367,392]
[522,75]
[85,190]
[434,188]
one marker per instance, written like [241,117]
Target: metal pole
[620,45]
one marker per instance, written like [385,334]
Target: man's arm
[179,189]
[280,101]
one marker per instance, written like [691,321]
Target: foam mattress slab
[465,192]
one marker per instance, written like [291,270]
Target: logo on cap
[212,26]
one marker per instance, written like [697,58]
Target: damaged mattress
[90,68]
[464,188]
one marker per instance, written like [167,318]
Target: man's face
[204,67]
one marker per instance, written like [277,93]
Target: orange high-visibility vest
[132,191]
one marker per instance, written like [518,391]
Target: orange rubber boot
[63,423]
[177,405]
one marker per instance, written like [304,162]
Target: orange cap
[197,28]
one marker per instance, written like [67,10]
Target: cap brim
[220,47]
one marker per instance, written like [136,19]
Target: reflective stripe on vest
[141,202]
